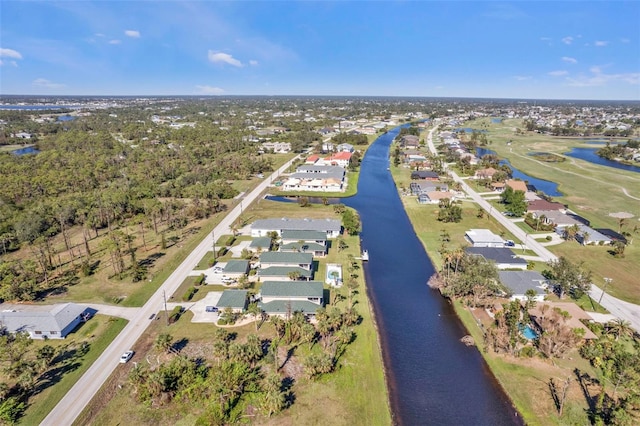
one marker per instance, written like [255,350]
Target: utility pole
[607,281]
[164,296]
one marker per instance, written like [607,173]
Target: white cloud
[114,41]
[220,57]
[569,60]
[522,77]
[558,73]
[209,90]
[567,40]
[10,53]
[601,43]
[599,78]
[99,35]
[625,40]
[132,33]
[44,83]
[253,62]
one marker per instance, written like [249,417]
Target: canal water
[589,154]
[433,378]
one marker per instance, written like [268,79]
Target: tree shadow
[179,345]
[150,260]
[290,353]
[585,380]
[286,386]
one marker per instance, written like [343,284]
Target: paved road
[621,309]
[88,385]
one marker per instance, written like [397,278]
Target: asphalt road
[621,309]
[72,404]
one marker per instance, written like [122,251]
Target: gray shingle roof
[304,235]
[324,225]
[292,289]
[233,299]
[521,281]
[51,318]
[497,254]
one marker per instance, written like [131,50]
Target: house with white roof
[483,238]
[50,322]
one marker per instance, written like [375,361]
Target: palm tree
[619,328]
[163,342]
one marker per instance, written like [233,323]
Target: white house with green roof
[284,273]
[290,259]
[304,241]
[234,299]
[283,298]
[260,244]
[236,268]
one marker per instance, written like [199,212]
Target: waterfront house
[483,238]
[519,282]
[284,298]
[290,259]
[262,227]
[503,257]
[304,241]
[517,185]
[424,174]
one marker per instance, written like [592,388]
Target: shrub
[175,314]
[199,280]
[527,352]
[222,251]
[230,240]
[188,295]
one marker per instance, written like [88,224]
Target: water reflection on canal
[433,378]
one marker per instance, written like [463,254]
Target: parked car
[126,357]
[217,269]
[228,280]
[510,243]
[211,309]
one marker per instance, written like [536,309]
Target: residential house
[421,187]
[312,159]
[345,147]
[434,197]
[544,205]
[485,173]
[503,257]
[555,217]
[236,268]
[284,298]
[260,244]
[304,241]
[586,235]
[341,159]
[483,238]
[519,282]
[409,141]
[236,300]
[290,259]
[517,185]
[262,227]
[284,273]
[45,322]
[425,175]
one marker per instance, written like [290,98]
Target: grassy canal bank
[524,379]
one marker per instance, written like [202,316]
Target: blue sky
[522,49]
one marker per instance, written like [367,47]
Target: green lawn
[99,332]
[591,190]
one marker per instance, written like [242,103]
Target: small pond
[546,186]
[589,154]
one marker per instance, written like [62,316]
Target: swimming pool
[527,332]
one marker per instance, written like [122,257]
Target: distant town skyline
[484,49]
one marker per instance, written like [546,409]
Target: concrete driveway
[199,308]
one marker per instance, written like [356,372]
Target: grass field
[98,332]
[525,380]
[591,190]
[335,399]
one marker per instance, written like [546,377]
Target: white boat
[365,255]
